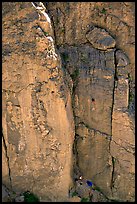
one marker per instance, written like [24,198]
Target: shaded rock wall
[91,85]
[96,42]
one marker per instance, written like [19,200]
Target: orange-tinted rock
[95,76]
[38,126]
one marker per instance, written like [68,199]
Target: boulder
[100,39]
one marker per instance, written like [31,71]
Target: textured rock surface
[38,128]
[100,39]
[94,81]
[84,191]
[103,89]
[98,197]
[5,194]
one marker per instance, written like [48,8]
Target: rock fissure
[120,21]
[123,147]
[95,130]
[112,176]
[130,95]
[8,160]
[112,111]
[114,87]
[31,84]
[76,171]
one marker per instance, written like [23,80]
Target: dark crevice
[76,170]
[113,171]
[130,95]
[114,86]
[8,160]
[112,109]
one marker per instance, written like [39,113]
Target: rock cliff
[68,97]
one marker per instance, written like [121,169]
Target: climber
[89,183]
[84,187]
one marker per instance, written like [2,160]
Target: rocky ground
[81,192]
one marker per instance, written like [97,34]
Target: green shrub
[74,194]
[46,33]
[30,197]
[85,200]
[63,30]
[75,75]
[65,57]
[97,188]
[103,11]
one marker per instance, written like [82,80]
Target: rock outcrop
[100,39]
[38,129]
[94,40]
[68,98]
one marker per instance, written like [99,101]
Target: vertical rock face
[93,78]
[100,61]
[122,147]
[91,85]
[38,129]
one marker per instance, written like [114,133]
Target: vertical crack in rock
[113,171]
[113,98]
[5,147]
[76,170]
[130,94]
[129,90]
[114,87]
